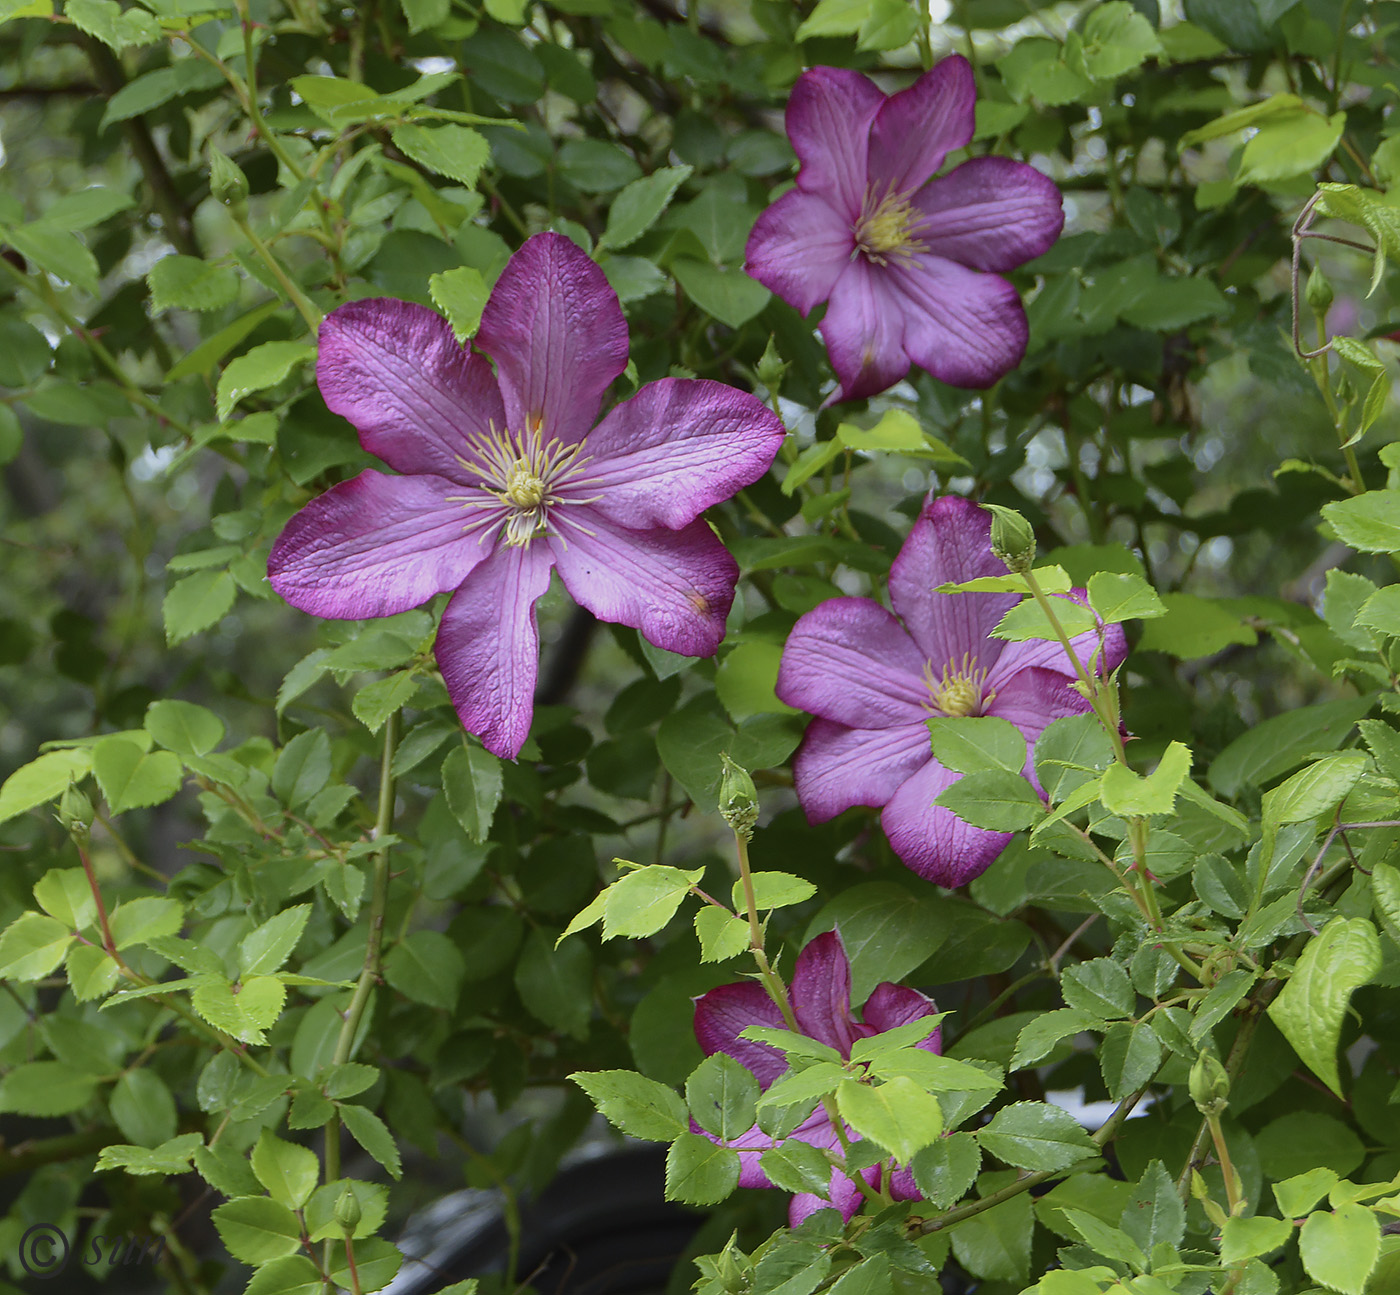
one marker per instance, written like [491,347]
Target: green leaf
[460,293]
[458,152]
[303,767]
[645,900]
[1297,1195]
[1377,378]
[1119,596]
[1038,1037]
[722,935]
[1222,999]
[1243,118]
[946,1170]
[797,1166]
[131,778]
[993,799]
[197,602]
[1277,744]
[183,727]
[373,1135]
[556,985]
[1370,522]
[373,1200]
[698,1172]
[639,1107]
[886,930]
[256,1229]
[426,967]
[45,1088]
[147,918]
[834,18]
[1129,1057]
[977,744]
[1309,1011]
[265,948]
[1026,620]
[471,778]
[1126,793]
[189,283]
[376,1263]
[113,27]
[996,1244]
[1242,1239]
[640,204]
[1034,1135]
[1099,987]
[932,1073]
[289,1172]
[143,1108]
[41,780]
[1289,144]
[1194,627]
[1117,39]
[376,701]
[897,1115]
[773,890]
[726,293]
[65,894]
[1155,1215]
[800,1086]
[898,431]
[722,1096]
[245,1014]
[1341,1248]
[32,946]
[288,1275]
[167,1160]
[262,367]
[1111,1242]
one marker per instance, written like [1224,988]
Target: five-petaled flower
[909,265]
[821,1001]
[503,477]
[872,684]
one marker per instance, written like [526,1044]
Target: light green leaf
[977,743]
[1119,596]
[41,780]
[897,1115]
[66,894]
[131,778]
[262,367]
[1034,1135]
[32,946]
[460,293]
[245,1014]
[189,283]
[773,890]
[1242,1239]
[722,1096]
[946,1170]
[638,1106]
[183,727]
[289,1172]
[197,602]
[1370,522]
[265,948]
[995,799]
[458,152]
[722,935]
[1289,144]
[1340,1248]
[256,1229]
[640,204]
[698,1172]
[1309,1011]
[645,900]
[373,1135]
[1126,793]
[727,293]
[834,18]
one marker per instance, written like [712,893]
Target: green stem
[308,309]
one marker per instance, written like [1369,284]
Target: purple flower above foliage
[872,684]
[909,265]
[821,1001]
[503,477]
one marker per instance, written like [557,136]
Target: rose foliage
[813,584]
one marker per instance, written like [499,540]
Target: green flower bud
[771,368]
[75,812]
[1318,293]
[347,1210]
[1013,540]
[1209,1084]
[226,180]
[738,798]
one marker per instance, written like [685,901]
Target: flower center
[523,474]
[959,690]
[886,227]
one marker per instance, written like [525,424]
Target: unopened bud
[732,1267]
[226,179]
[1318,293]
[738,798]
[1209,1084]
[347,1210]
[1013,540]
[771,367]
[75,812]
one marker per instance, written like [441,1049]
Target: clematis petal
[828,121]
[850,661]
[1108,642]
[845,1196]
[799,247]
[556,331]
[837,767]
[821,992]
[917,128]
[414,394]
[1033,697]
[676,587]
[903,1187]
[375,546]
[934,841]
[950,543]
[678,447]
[990,213]
[488,646]
[724,1013]
[966,328]
[890,1006]
[863,331]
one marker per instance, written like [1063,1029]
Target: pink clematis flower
[909,265]
[821,1001]
[873,682]
[504,477]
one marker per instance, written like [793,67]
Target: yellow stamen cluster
[886,227]
[960,690]
[523,473]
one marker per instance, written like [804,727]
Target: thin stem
[308,309]
[108,942]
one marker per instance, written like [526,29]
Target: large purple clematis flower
[821,1001]
[909,265]
[872,684]
[504,477]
